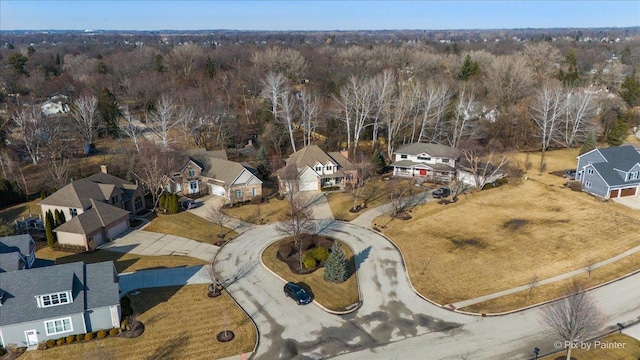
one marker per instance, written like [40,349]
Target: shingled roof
[312,154]
[13,249]
[99,216]
[215,167]
[92,286]
[436,150]
[621,157]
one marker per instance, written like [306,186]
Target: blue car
[300,295]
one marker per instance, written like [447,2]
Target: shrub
[487,186]
[42,345]
[51,343]
[80,337]
[102,334]
[114,332]
[308,261]
[330,188]
[125,301]
[70,339]
[575,186]
[124,325]
[88,336]
[319,253]
[502,181]
[60,341]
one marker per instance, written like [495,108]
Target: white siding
[308,180]
[118,229]
[65,210]
[70,238]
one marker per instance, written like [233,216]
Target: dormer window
[329,167]
[319,168]
[403,156]
[55,299]
[192,173]
[73,212]
[425,158]
[114,199]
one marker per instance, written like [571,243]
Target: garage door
[614,193]
[308,186]
[118,229]
[217,190]
[628,192]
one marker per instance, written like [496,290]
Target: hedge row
[78,338]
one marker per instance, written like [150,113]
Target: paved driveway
[204,207]
[629,201]
[148,243]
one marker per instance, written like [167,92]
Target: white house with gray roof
[432,162]
[610,172]
[50,302]
[17,252]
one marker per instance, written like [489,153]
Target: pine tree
[262,163]
[589,143]
[210,67]
[48,229]
[335,269]
[618,133]
[630,90]
[172,204]
[469,69]
[56,219]
[108,110]
[378,162]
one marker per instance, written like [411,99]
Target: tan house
[96,209]
[317,169]
[209,172]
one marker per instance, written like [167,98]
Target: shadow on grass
[147,299]
[9,215]
[98,256]
[172,349]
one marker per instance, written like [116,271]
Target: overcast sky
[313,15]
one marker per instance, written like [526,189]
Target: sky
[313,15]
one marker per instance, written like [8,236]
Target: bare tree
[457,188]
[287,108]
[131,128]
[184,59]
[461,123]
[163,120]
[434,105]
[363,168]
[482,165]
[356,101]
[580,109]
[288,62]
[383,88]
[542,58]
[396,119]
[575,317]
[296,222]
[151,168]
[28,131]
[533,282]
[59,170]
[309,107]
[546,112]
[508,80]
[274,89]
[84,114]
[397,193]
[215,215]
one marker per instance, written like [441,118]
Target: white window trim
[40,299]
[590,171]
[587,184]
[46,329]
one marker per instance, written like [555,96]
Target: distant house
[55,301]
[610,172]
[95,208]
[209,172]
[432,162]
[17,252]
[58,104]
[317,169]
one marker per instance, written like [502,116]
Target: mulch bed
[225,336]
[139,330]
[288,252]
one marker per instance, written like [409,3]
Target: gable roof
[99,186]
[19,243]
[217,168]
[10,261]
[99,216]
[312,154]
[621,157]
[436,150]
[92,286]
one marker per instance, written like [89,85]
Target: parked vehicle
[441,192]
[297,293]
[187,204]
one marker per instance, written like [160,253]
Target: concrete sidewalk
[208,201]
[151,278]
[550,280]
[148,243]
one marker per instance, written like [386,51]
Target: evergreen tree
[162,201]
[569,76]
[589,143]
[101,68]
[335,269]
[58,60]
[17,62]
[618,133]
[43,194]
[173,206]
[263,165]
[378,162]
[158,63]
[56,219]
[630,90]
[48,229]
[210,67]
[469,69]
[108,110]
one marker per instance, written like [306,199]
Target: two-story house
[209,172]
[610,172]
[317,169]
[50,302]
[432,162]
[17,252]
[95,208]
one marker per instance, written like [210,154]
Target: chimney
[345,153]
[103,168]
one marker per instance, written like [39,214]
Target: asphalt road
[393,322]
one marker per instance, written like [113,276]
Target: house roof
[92,286]
[621,157]
[20,243]
[312,154]
[436,150]
[611,176]
[10,261]
[128,189]
[409,163]
[99,216]
[217,168]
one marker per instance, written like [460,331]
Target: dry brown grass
[16,212]
[498,239]
[556,289]
[629,349]
[269,211]
[180,323]
[375,193]
[123,262]
[190,226]
[332,296]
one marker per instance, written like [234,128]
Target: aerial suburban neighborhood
[315,194]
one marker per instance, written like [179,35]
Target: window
[590,171]
[53,299]
[445,161]
[192,173]
[138,203]
[426,158]
[73,212]
[114,199]
[587,184]
[329,168]
[193,185]
[403,156]
[58,326]
[633,175]
[238,194]
[254,192]
[319,168]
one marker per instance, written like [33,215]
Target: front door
[32,337]
[423,172]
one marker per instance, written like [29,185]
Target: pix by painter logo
[588,345]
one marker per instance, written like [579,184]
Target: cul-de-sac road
[393,322]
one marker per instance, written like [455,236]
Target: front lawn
[18,211]
[190,226]
[269,211]
[180,323]
[123,262]
[332,296]
[500,238]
